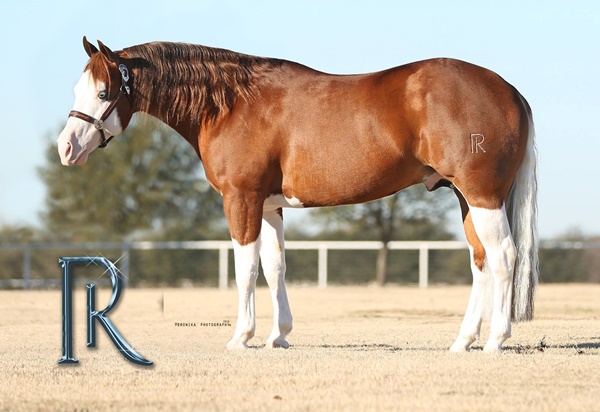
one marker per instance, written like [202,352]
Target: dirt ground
[352,348]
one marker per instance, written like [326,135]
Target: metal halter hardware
[124,90]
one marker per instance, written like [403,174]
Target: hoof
[277,343]
[494,343]
[492,348]
[236,345]
[459,348]
[462,344]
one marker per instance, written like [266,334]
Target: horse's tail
[522,216]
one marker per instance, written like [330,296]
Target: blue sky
[548,50]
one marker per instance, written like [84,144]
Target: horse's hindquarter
[472,126]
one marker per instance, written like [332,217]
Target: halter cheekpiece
[124,90]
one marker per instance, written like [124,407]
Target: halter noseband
[124,90]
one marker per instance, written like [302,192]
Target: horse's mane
[180,80]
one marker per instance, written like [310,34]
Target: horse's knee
[273,265]
[274,274]
[246,264]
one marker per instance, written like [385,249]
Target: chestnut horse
[272,133]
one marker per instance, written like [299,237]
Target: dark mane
[179,80]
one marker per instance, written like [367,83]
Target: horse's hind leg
[272,257]
[482,283]
[492,228]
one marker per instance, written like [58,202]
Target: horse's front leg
[243,212]
[272,257]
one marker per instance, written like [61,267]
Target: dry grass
[353,348]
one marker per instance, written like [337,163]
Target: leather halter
[124,90]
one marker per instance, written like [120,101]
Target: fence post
[423,265]
[223,266]
[322,266]
[27,268]
[125,263]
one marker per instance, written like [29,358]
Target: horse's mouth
[79,160]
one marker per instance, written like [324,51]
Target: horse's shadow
[541,346]
[358,347]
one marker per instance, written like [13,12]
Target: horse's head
[102,106]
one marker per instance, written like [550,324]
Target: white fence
[323,247]
[422,246]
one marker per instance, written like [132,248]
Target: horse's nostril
[68,150]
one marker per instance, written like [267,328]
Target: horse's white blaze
[79,138]
[492,228]
[246,272]
[276,201]
[272,258]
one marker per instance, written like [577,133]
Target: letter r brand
[476,140]
[93,315]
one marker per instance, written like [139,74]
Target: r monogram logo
[93,314]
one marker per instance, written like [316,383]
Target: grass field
[352,348]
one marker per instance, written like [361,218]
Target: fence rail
[223,247]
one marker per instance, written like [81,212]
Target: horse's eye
[102,95]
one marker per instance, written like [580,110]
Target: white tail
[522,216]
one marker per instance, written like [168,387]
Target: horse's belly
[344,181]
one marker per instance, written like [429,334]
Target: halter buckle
[98,124]
[124,72]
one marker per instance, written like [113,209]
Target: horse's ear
[112,56]
[89,47]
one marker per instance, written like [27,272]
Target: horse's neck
[184,125]
[187,123]
[186,128]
